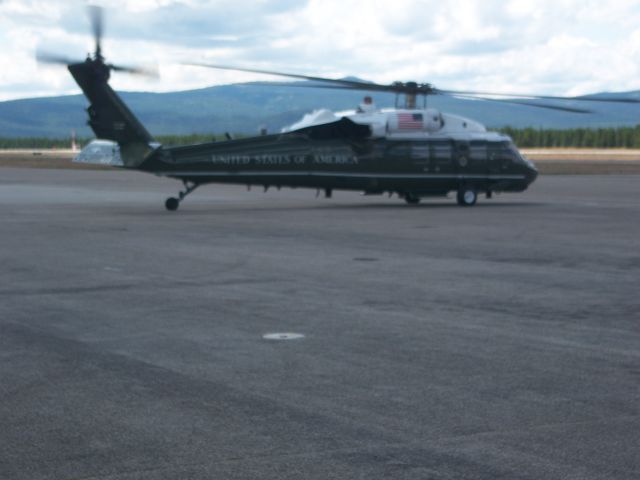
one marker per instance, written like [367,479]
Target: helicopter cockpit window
[504,151]
[518,157]
[513,153]
[506,154]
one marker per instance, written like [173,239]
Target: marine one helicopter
[409,151]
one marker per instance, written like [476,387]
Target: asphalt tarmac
[440,342]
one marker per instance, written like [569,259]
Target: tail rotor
[96,18]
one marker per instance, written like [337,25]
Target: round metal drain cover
[282,336]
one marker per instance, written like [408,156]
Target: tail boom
[109,117]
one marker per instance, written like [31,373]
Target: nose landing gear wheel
[467,196]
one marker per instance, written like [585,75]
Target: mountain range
[247,107]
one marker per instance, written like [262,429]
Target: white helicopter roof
[403,124]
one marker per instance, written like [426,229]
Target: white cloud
[546,46]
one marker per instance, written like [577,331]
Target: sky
[560,47]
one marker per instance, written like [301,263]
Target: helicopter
[408,151]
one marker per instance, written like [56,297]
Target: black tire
[411,199]
[172,204]
[467,196]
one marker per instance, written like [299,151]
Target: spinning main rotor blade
[397,87]
[524,102]
[463,97]
[582,98]
[307,85]
[426,89]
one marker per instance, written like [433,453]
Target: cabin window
[478,151]
[441,152]
[400,151]
[420,151]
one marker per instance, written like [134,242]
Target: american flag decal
[410,121]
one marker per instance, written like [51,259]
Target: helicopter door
[461,157]
[442,157]
[420,155]
[478,158]
[471,158]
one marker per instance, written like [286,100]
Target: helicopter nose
[531,173]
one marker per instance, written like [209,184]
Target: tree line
[618,137]
[615,137]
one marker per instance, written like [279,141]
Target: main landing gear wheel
[411,199]
[172,203]
[467,196]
